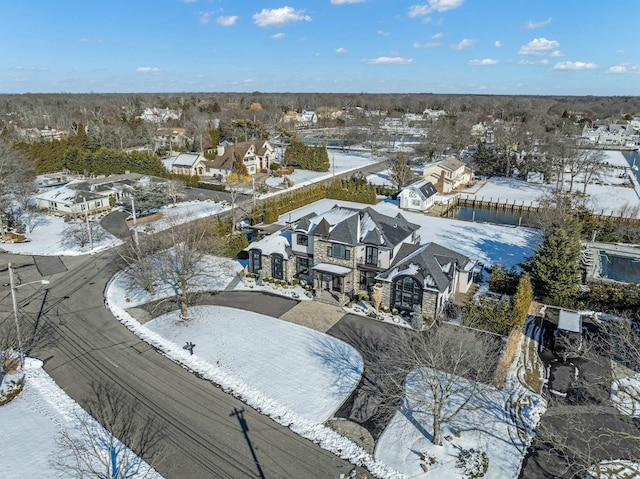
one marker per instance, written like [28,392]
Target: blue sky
[540,47]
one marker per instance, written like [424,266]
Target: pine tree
[555,268]
[522,300]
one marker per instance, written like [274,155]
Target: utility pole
[86,217]
[135,229]
[12,285]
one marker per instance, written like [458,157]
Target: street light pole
[15,312]
[13,286]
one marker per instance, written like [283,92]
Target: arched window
[407,293]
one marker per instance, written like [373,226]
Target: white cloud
[31,68]
[278,36]
[556,54]
[426,45]
[497,43]
[531,25]
[227,21]
[438,36]
[205,17]
[279,17]
[188,1]
[538,46]
[89,40]
[464,44]
[433,6]
[342,2]
[341,50]
[483,62]
[382,33]
[624,68]
[389,61]
[619,52]
[148,70]
[575,66]
[542,61]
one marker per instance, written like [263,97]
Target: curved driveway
[203,438]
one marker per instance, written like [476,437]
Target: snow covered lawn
[32,423]
[487,425]
[262,351]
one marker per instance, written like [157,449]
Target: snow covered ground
[33,422]
[609,193]
[341,162]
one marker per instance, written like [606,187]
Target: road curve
[202,436]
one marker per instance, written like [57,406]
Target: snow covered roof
[277,243]
[432,264]
[332,268]
[570,321]
[352,226]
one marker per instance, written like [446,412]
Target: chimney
[220,150]
[440,183]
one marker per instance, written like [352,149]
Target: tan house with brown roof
[256,155]
[448,174]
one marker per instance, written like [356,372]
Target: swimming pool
[619,267]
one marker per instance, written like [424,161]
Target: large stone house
[345,252]
[448,174]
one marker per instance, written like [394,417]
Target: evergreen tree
[555,267]
[522,300]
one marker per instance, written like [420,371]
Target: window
[407,293]
[302,240]
[339,251]
[367,280]
[415,202]
[276,266]
[303,267]
[371,255]
[256,260]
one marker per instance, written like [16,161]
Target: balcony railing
[362,260]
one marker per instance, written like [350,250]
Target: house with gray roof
[344,252]
[427,276]
[419,196]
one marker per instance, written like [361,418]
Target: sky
[542,47]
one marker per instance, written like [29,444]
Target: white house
[418,196]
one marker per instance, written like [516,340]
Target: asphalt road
[203,437]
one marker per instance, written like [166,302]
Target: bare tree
[16,175]
[441,372]
[95,448]
[80,233]
[400,171]
[180,262]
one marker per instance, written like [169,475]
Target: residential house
[257,156]
[345,252]
[189,164]
[610,135]
[448,174]
[91,196]
[159,115]
[426,276]
[170,139]
[418,196]
[340,251]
